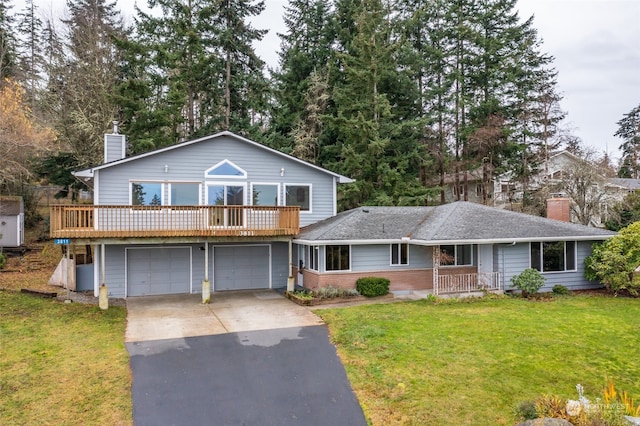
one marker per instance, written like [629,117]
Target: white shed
[11,221]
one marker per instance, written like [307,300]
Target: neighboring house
[11,221]
[454,247]
[221,208]
[227,210]
[504,190]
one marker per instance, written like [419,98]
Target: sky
[595,43]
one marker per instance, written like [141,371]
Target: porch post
[103,291]
[206,285]
[436,264]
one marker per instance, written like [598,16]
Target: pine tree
[7,42]
[629,132]
[30,26]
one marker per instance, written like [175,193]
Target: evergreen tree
[191,70]
[30,26]
[7,42]
[629,132]
[305,50]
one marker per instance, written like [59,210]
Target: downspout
[290,279]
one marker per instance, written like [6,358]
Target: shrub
[372,286]
[614,261]
[527,410]
[3,260]
[529,281]
[560,290]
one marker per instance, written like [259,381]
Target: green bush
[527,410]
[560,290]
[529,281]
[331,292]
[3,260]
[372,286]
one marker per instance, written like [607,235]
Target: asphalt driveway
[248,358]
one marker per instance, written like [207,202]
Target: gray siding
[378,258]
[115,265]
[280,264]
[114,147]
[12,230]
[512,260]
[189,163]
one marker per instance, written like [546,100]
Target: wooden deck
[173,221]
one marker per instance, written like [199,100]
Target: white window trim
[575,254]
[169,203]
[277,184]
[399,254]
[162,190]
[208,176]
[455,256]
[325,260]
[309,250]
[284,199]
[222,183]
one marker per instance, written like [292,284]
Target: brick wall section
[406,279]
[559,209]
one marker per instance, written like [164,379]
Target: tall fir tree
[7,42]
[629,132]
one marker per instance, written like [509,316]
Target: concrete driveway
[248,358]
[179,316]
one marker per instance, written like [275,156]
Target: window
[399,254]
[459,255]
[313,253]
[146,194]
[298,195]
[226,195]
[264,194]
[184,194]
[337,258]
[553,256]
[226,168]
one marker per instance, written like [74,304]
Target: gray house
[221,209]
[231,212]
[457,247]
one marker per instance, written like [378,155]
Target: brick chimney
[559,209]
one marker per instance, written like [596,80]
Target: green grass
[62,363]
[473,363]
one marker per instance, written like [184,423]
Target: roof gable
[240,139]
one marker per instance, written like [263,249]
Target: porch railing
[173,221]
[467,283]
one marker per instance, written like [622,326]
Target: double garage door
[168,270]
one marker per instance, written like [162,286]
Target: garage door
[241,267]
[154,271]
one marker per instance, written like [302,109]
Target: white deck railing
[468,283]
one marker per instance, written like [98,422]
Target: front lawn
[62,364]
[473,363]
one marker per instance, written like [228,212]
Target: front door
[226,195]
[485,265]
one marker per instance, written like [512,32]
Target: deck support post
[206,285]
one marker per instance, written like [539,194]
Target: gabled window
[226,169]
[553,256]
[399,254]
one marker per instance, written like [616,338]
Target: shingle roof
[456,222]
[625,183]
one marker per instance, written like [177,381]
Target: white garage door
[241,267]
[158,270]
